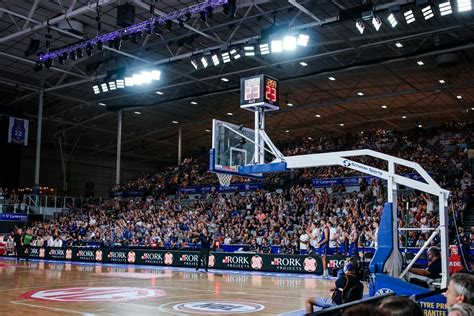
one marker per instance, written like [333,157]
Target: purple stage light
[140,27]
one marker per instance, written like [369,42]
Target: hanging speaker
[125,15]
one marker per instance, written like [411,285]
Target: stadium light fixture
[138,113]
[445,8]
[360,94]
[225,79]
[303,64]
[409,16]
[235,54]
[318,115]
[159,92]
[276,46]
[215,60]
[302,40]
[376,22]
[120,83]
[360,26]
[195,63]
[264,49]
[427,12]
[392,20]
[249,50]
[464,5]
[225,57]
[289,43]
[420,63]
[459,97]
[398,45]
[96,89]
[332,78]
[204,61]
[193,102]
[102,104]
[104,87]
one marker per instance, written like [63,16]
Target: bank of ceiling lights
[423,9]
[274,45]
[119,80]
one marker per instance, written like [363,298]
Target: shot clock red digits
[271,90]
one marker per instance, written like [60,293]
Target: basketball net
[224,179]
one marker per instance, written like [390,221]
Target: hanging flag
[18,131]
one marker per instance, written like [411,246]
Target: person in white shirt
[50,241]
[314,233]
[304,243]
[58,242]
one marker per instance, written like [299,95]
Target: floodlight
[215,59]
[427,12]
[445,8]
[277,46]
[302,40]
[146,77]
[225,57]
[155,75]
[96,89]
[289,43]
[409,16]
[392,20]
[137,80]
[104,87]
[120,83]
[464,5]
[204,61]
[376,22]
[360,26]
[195,63]
[234,53]
[249,50]
[264,49]
[112,85]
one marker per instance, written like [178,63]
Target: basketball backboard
[232,146]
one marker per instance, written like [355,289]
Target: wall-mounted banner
[355,181]
[177,258]
[241,187]
[13,217]
[18,131]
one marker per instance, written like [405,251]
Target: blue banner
[18,131]
[217,188]
[131,193]
[354,181]
[13,217]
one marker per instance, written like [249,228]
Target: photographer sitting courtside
[339,292]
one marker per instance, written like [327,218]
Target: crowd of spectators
[288,217]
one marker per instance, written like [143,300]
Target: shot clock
[259,92]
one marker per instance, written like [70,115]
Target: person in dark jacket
[18,244]
[205,240]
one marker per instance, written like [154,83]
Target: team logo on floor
[218,307]
[95,294]
[257,262]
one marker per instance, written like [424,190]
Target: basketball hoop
[224,179]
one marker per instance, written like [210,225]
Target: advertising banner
[178,258]
[241,187]
[13,217]
[353,181]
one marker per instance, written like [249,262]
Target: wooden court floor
[58,288]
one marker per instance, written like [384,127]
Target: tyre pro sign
[95,294]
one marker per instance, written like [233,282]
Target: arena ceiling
[397,92]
